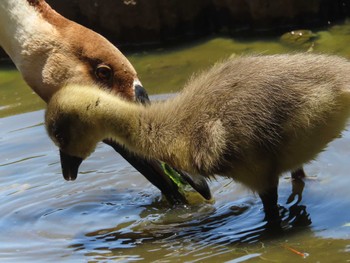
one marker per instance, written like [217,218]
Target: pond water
[111,213]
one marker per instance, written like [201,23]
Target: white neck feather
[22,30]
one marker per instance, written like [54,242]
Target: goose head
[51,51]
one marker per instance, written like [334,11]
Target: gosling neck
[118,119]
[145,132]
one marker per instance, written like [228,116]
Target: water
[111,213]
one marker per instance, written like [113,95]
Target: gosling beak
[70,165]
[141,95]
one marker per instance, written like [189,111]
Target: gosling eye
[104,73]
[60,139]
[59,134]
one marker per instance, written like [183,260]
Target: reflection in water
[298,215]
[217,229]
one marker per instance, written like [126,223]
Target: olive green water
[111,213]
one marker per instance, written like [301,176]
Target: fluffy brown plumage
[249,118]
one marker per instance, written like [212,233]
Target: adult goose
[51,51]
[249,118]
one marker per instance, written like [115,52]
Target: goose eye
[103,73]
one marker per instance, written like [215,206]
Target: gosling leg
[269,199]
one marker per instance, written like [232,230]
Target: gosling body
[248,118]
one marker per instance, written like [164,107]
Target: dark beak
[198,183]
[70,165]
[141,95]
[154,172]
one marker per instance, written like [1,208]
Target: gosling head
[73,128]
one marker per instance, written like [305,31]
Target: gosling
[249,118]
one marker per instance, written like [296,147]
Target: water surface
[111,213]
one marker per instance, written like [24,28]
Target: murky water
[111,213]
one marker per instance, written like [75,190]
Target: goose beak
[141,95]
[155,173]
[70,165]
